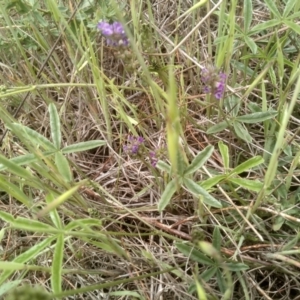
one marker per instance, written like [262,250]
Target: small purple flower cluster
[153,158]
[215,82]
[134,145]
[114,33]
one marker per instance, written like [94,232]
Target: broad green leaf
[235,266]
[257,117]
[7,286]
[295,27]
[242,132]
[194,254]
[272,5]
[288,7]
[14,168]
[167,195]
[225,154]
[199,160]
[55,126]
[248,9]
[57,265]
[252,185]
[34,137]
[83,146]
[217,128]
[63,167]
[248,164]
[163,166]
[251,44]
[196,189]
[210,182]
[14,191]
[217,238]
[33,252]
[263,26]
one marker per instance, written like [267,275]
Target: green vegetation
[149,149]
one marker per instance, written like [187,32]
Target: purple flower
[133,145]
[215,82]
[153,158]
[114,33]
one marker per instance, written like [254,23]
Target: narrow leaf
[57,265]
[225,154]
[194,254]
[295,27]
[14,168]
[26,159]
[163,166]
[34,137]
[196,189]
[54,214]
[217,128]
[242,132]
[167,195]
[31,225]
[272,5]
[235,267]
[55,126]
[26,256]
[63,167]
[7,286]
[210,182]
[251,185]
[257,117]
[199,160]
[251,44]
[14,191]
[217,239]
[263,26]
[248,164]
[83,146]
[288,7]
[248,9]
